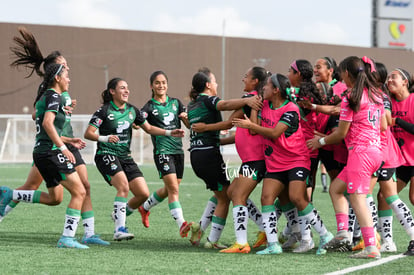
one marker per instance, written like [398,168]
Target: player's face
[249,82]
[120,94]
[63,80]
[321,71]
[395,82]
[268,89]
[160,85]
[294,77]
[213,85]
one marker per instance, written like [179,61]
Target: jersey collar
[160,103]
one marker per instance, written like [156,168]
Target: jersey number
[374,117]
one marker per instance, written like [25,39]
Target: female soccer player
[361,121]
[205,107]
[52,157]
[287,162]
[115,119]
[167,113]
[28,54]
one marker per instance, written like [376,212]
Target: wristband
[322,141]
[63,147]
[314,107]
[103,138]
[168,133]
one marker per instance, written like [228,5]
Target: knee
[87,187]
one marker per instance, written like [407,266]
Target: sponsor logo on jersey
[155,112]
[111,117]
[144,114]
[122,125]
[98,121]
[168,118]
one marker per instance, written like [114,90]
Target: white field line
[367,265]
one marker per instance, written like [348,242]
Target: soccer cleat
[340,243]
[410,249]
[184,229]
[6,195]
[291,243]
[304,246]
[370,252]
[196,234]
[144,216]
[70,242]
[237,248]
[122,234]
[361,245]
[94,239]
[261,239]
[215,245]
[271,249]
[322,241]
[388,247]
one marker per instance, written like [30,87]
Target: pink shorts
[361,165]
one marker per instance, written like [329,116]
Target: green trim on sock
[385,213]
[277,204]
[392,199]
[369,195]
[73,212]
[213,199]
[287,207]
[13,204]
[87,214]
[268,208]
[128,211]
[174,205]
[36,196]
[121,199]
[218,220]
[309,208]
[157,197]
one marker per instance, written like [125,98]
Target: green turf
[28,238]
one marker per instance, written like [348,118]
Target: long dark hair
[282,83]
[51,71]
[106,94]
[331,64]
[198,84]
[307,88]
[360,74]
[27,53]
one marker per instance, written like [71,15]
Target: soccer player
[115,119]
[287,163]
[205,107]
[29,55]
[167,113]
[361,121]
[52,157]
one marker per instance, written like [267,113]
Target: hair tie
[294,66]
[367,60]
[360,69]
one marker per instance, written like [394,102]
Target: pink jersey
[339,88]
[391,152]
[289,150]
[404,110]
[308,128]
[365,124]
[249,147]
[321,126]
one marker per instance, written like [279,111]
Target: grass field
[28,238]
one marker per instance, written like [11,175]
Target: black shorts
[298,173]
[385,174]
[405,173]
[253,169]
[109,165]
[53,166]
[327,159]
[170,164]
[76,154]
[209,166]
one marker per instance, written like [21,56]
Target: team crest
[70,165]
[113,166]
[174,107]
[130,115]
[166,167]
